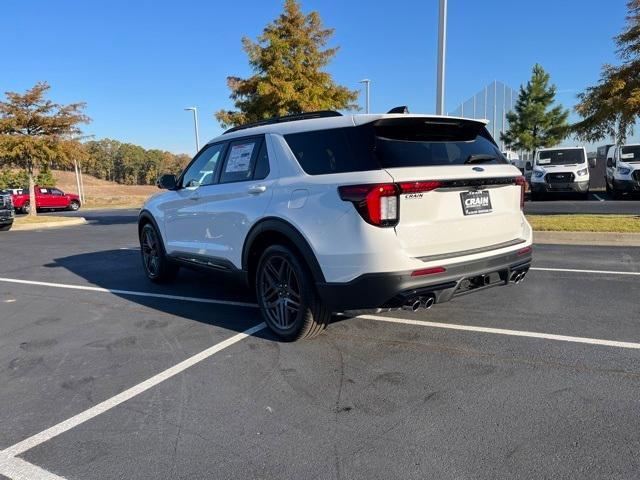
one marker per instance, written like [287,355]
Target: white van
[560,170]
[623,170]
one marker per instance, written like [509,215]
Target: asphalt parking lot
[598,203]
[106,376]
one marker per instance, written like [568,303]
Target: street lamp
[442,50]
[367,83]
[195,123]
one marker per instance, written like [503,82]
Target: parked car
[623,170]
[46,198]
[514,159]
[7,213]
[325,213]
[560,170]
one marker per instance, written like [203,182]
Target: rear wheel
[157,266]
[287,297]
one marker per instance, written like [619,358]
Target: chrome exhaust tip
[427,302]
[412,305]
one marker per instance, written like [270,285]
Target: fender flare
[282,227]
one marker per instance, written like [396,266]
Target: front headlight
[624,171]
[582,173]
[538,173]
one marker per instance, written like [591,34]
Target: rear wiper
[481,158]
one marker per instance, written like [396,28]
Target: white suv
[327,213]
[560,170]
[623,170]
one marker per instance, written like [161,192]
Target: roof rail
[287,118]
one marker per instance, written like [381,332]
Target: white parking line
[130,293]
[7,460]
[502,331]
[573,270]
[19,469]
[598,197]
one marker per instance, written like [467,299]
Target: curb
[588,238]
[40,226]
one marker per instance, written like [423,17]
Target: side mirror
[167,181]
[593,162]
[528,166]
[609,162]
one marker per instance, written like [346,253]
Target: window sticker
[544,161]
[239,158]
[625,156]
[43,190]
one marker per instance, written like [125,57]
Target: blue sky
[137,64]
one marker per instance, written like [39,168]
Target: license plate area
[475,202]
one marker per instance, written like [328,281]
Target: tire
[585,195]
[5,227]
[281,278]
[535,196]
[74,206]
[26,207]
[157,267]
[616,194]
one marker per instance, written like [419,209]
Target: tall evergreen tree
[611,108]
[34,132]
[535,123]
[288,61]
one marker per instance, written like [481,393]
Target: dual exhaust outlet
[518,276]
[416,303]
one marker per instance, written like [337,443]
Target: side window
[241,158]
[56,192]
[262,163]
[202,170]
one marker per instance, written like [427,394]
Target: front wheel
[287,296]
[157,267]
[74,205]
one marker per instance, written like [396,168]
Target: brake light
[428,271]
[523,185]
[418,187]
[377,204]
[525,250]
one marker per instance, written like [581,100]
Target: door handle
[257,189]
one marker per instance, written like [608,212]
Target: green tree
[535,122]
[35,132]
[288,61]
[13,178]
[611,108]
[45,177]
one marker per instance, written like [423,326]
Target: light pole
[367,83]
[442,50]
[195,123]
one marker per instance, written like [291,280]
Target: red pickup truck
[46,198]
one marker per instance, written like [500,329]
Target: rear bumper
[394,289]
[577,187]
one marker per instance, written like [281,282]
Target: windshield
[630,154]
[567,156]
[392,143]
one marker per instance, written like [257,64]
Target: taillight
[418,187]
[428,271]
[523,186]
[377,204]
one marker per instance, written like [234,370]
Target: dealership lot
[95,384]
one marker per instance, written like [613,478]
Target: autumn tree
[288,61]
[611,108]
[35,132]
[535,122]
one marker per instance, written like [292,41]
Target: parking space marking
[122,397]
[131,293]
[502,331]
[574,270]
[598,197]
[19,469]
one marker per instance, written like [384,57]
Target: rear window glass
[391,143]
[565,156]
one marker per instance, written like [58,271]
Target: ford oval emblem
[478,169]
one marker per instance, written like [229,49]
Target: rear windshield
[391,143]
[630,153]
[565,156]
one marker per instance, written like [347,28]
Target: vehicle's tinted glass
[203,169]
[564,156]
[391,143]
[241,158]
[630,153]
[262,163]
[57,192]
